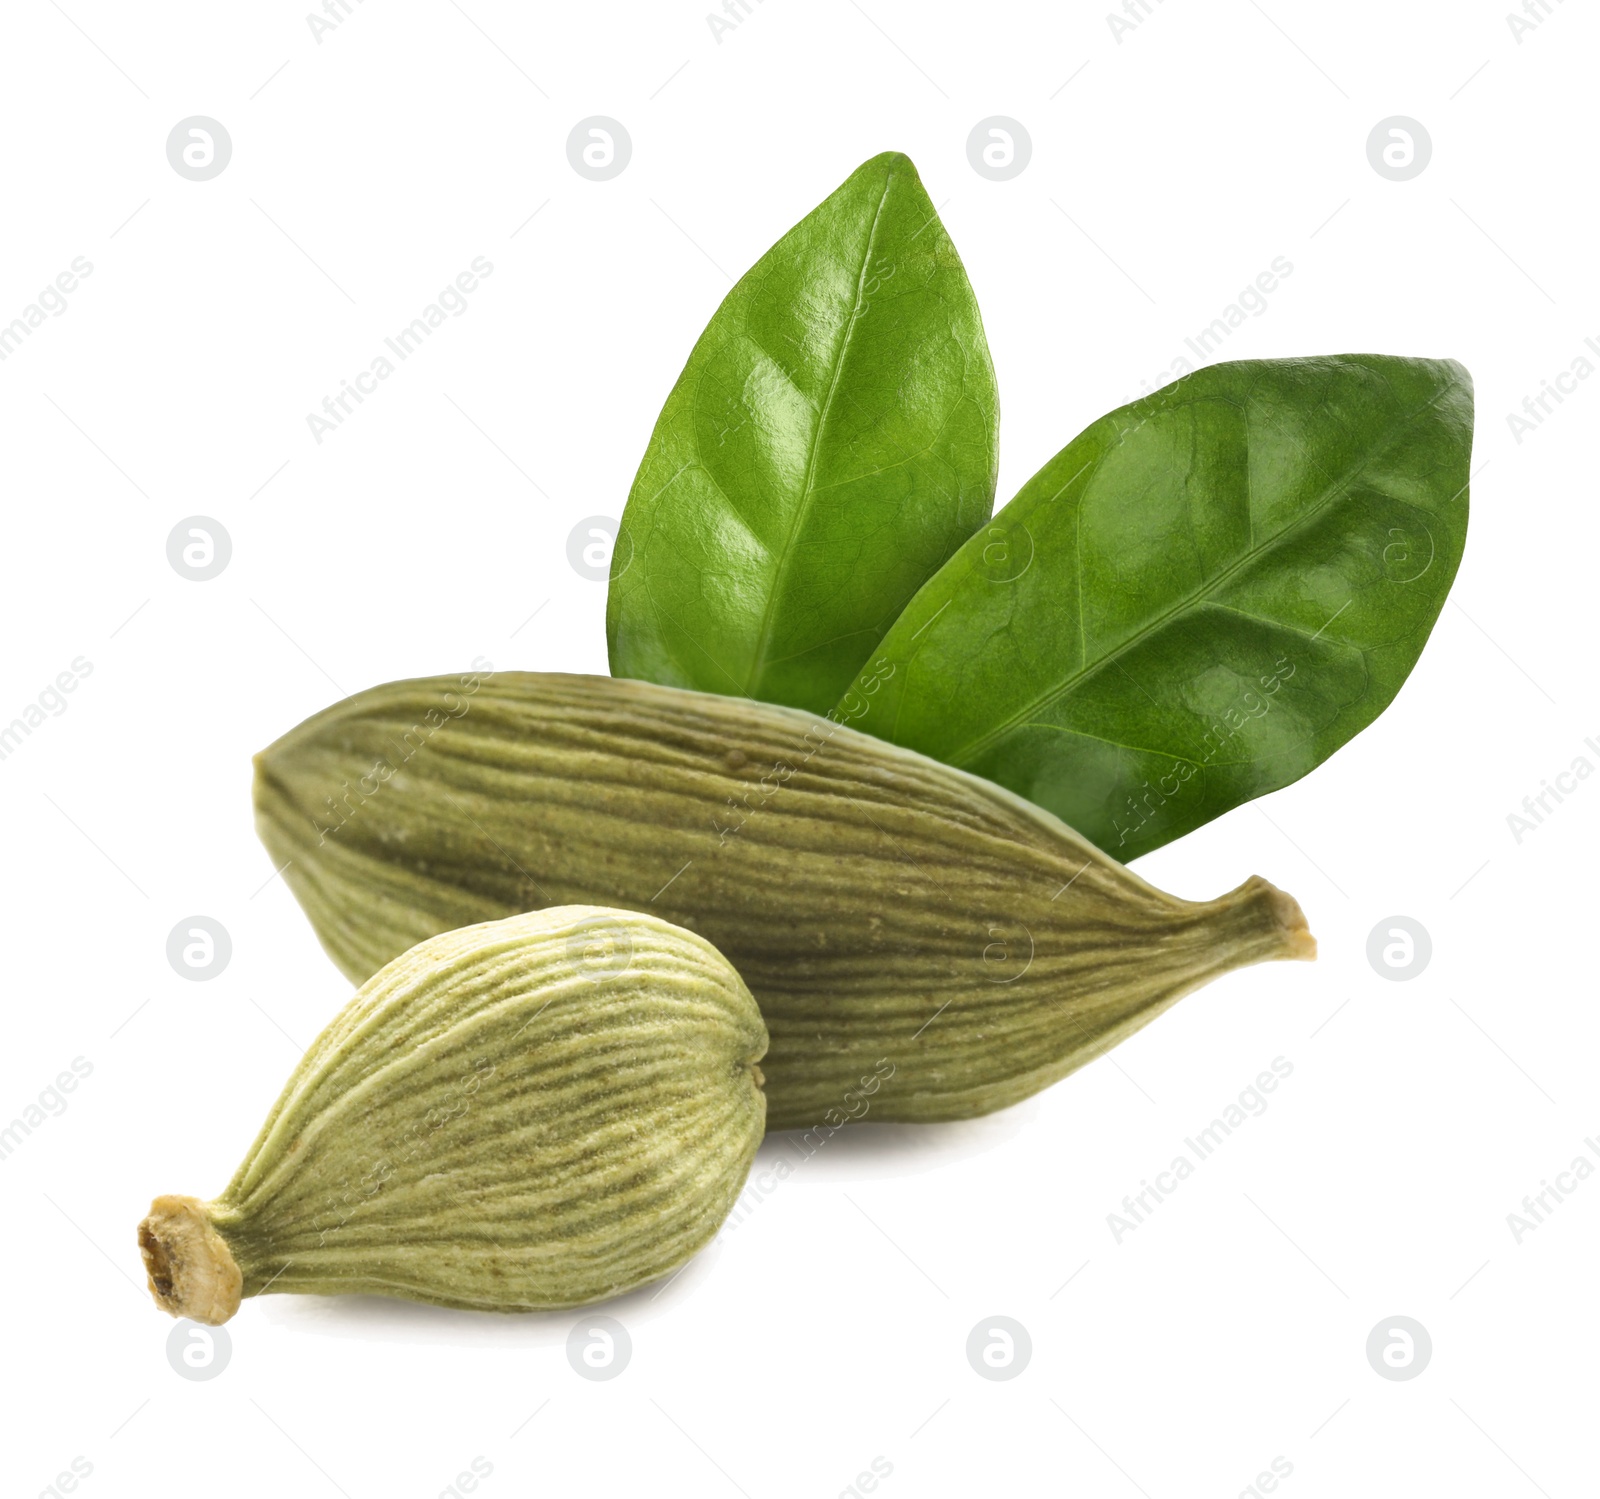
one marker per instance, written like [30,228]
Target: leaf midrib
[963,756]
[808,493]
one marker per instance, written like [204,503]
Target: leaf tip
[888,164]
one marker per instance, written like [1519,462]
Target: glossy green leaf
[1196,601]
[829,444]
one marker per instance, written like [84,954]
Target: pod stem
[1256,923]
[192,1271]
[1276,915]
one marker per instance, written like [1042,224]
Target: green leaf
[829,444]
[1196,601]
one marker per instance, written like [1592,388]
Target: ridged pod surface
[537,1112]
[923,945]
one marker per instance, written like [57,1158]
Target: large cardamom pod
[537,1112]
[923,945]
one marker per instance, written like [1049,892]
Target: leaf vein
[965,754]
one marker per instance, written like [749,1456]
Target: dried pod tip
[192,1274]
[1284,912]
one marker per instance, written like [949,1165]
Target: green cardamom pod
[923,945]
[531,1113]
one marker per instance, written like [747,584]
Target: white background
[829,1326]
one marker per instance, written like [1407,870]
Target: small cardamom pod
[531,1113]
[923,944]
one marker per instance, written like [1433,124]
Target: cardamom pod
[531,1113]
[923,945]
